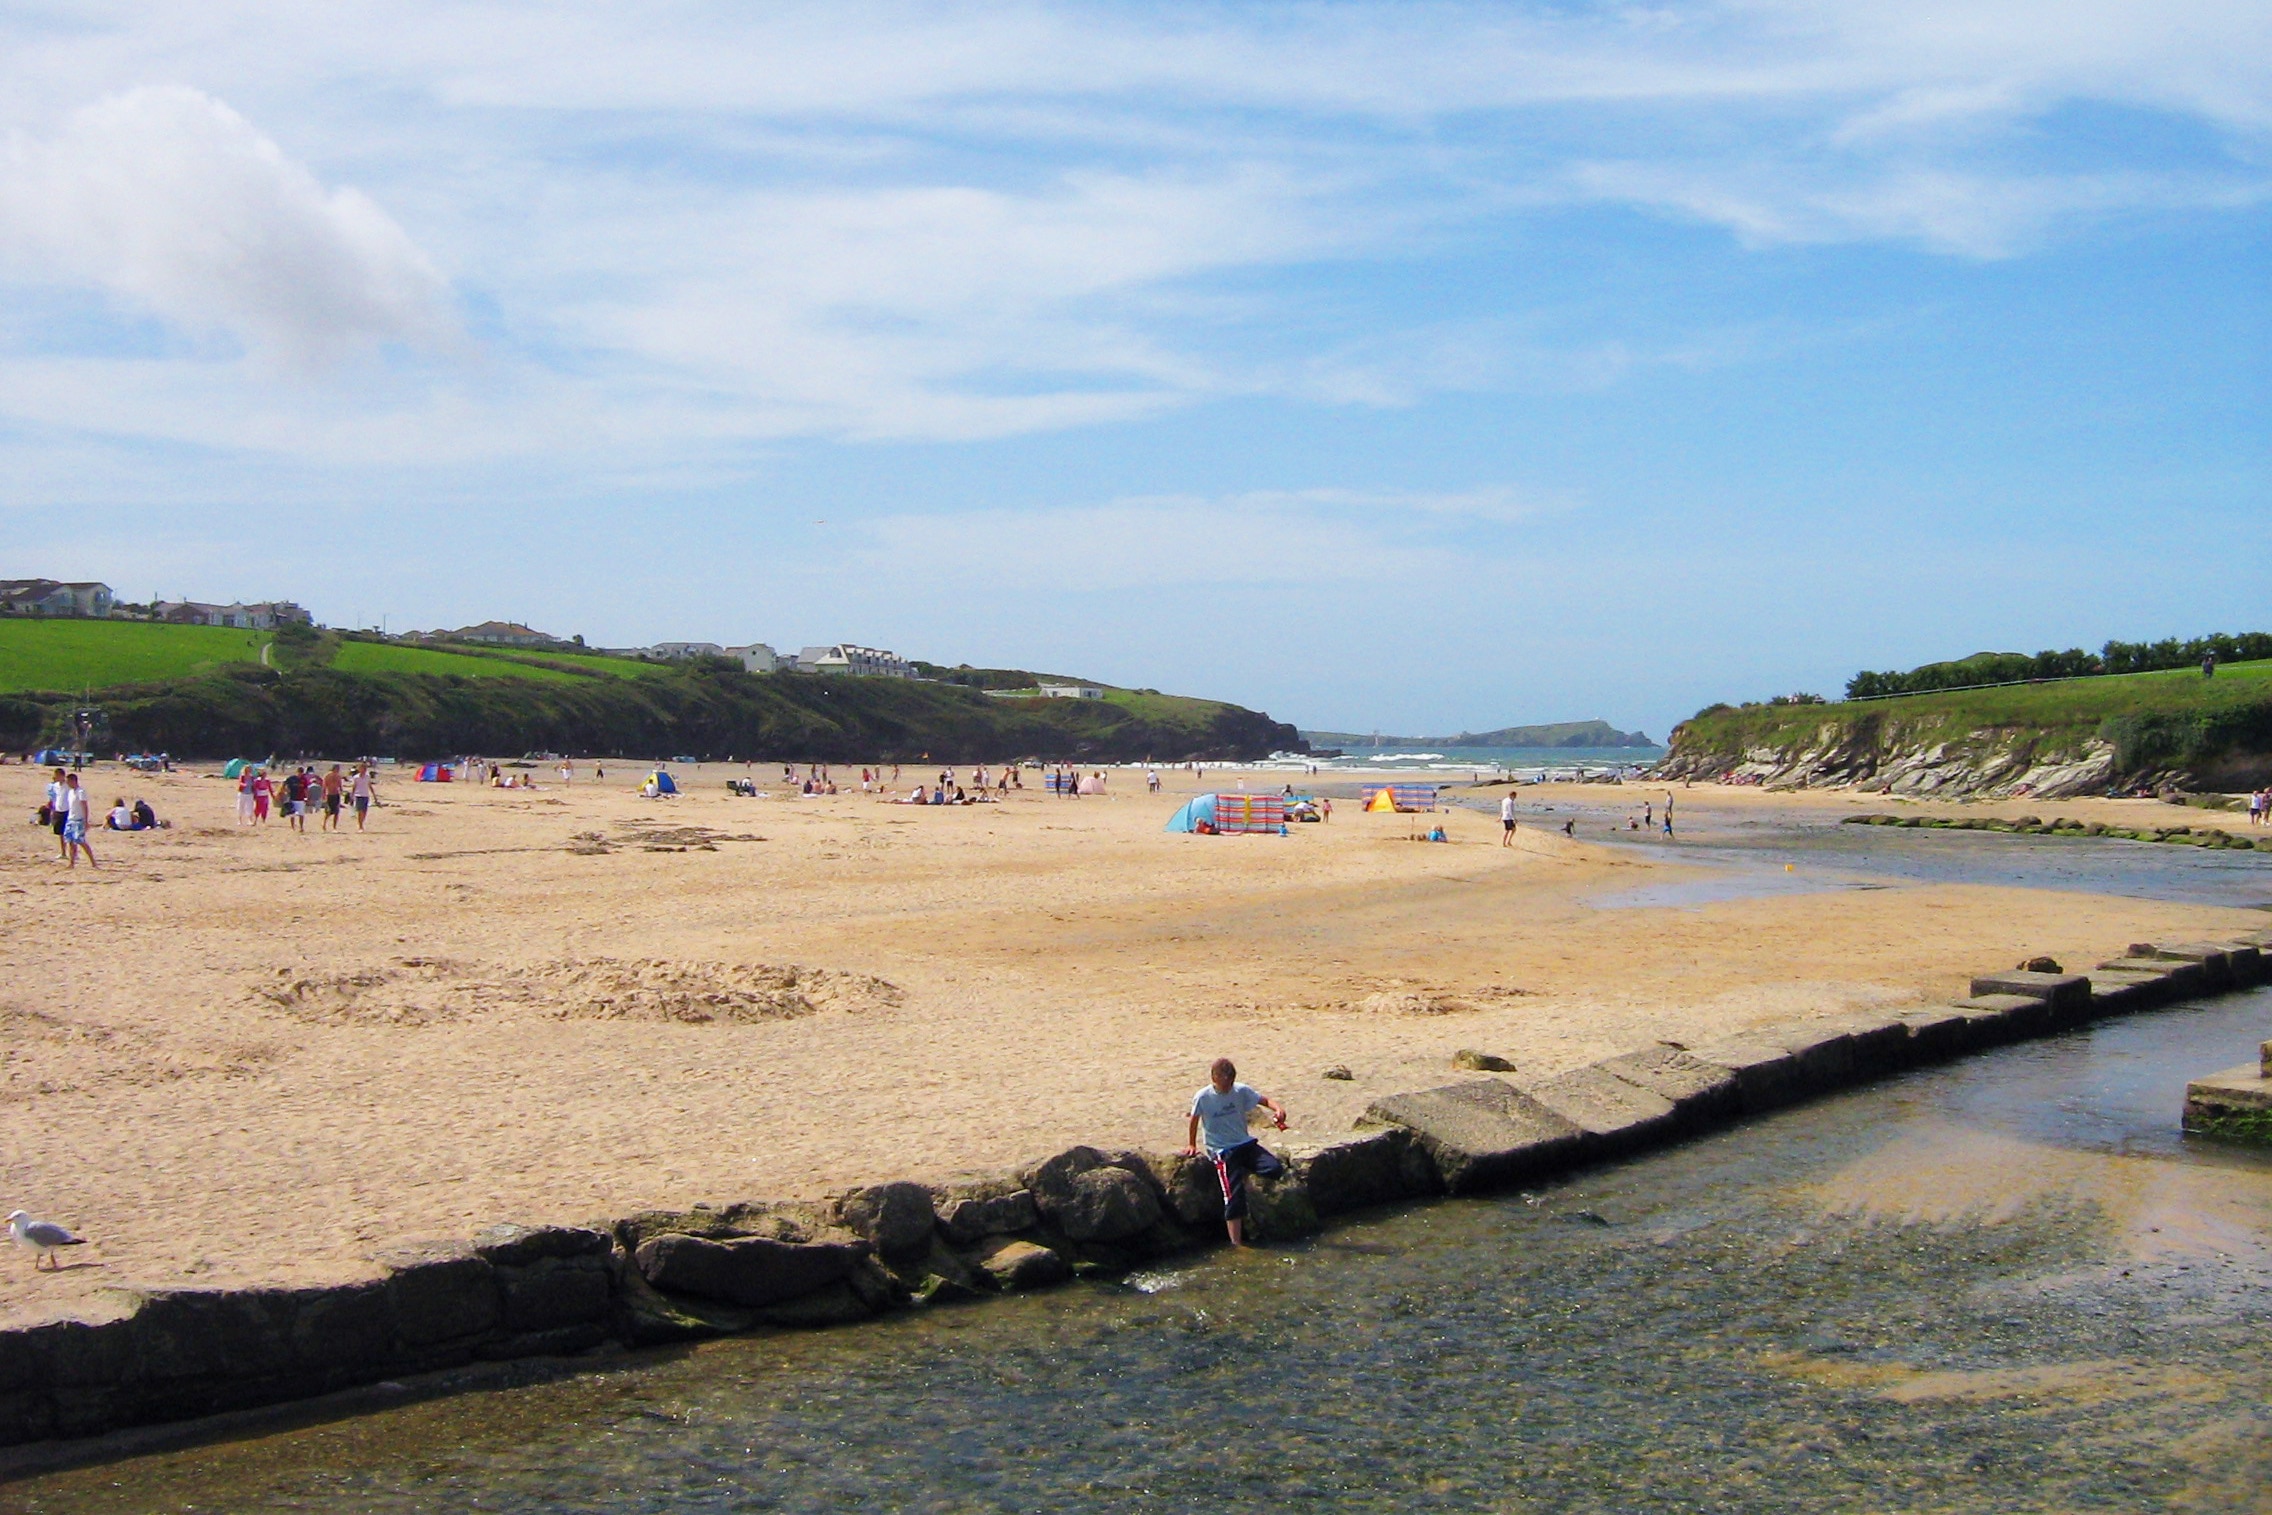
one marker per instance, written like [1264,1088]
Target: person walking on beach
[75,823]
[361,790]
[59,812]
[1507,820]
[1220,1112]
[333,784]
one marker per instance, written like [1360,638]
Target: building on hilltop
[680,651]
[755,657]
[1049,692]
[51,597]
[502,634]
[860,662]
[266,615]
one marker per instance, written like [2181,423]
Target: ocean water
[1524,760]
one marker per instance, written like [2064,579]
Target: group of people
[2260,806]
[303,792]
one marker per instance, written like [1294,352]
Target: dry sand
[246,1055]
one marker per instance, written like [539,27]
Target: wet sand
[239,1055]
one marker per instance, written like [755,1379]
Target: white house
[683,650]
[51,597]
[501,634]
[755,657]
[1071,692]
[860,662]
[265,615]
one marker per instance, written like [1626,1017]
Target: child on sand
[1220,1110]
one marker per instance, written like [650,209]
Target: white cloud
[172,202]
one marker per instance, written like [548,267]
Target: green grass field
[622,668]
[67,655]
[388,657]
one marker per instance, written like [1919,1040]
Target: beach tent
[663,782]
[1093,784]
[1200,807]
[436,773]
[1381,802]
[1407,798]
[235,768]
[1232,814]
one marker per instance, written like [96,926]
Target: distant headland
[1555,734]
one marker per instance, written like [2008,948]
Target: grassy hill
[70,655]
[341,696]
[2125,729]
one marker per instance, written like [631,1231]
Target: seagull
[42,1237]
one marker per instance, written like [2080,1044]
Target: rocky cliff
[2072,737]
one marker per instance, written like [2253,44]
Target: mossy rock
[2249,1127]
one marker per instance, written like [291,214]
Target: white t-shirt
[1222,1117]
[1507,808]
[362,786]
[122,818]
[57,793]
[76,800]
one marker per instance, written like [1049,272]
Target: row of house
[844,658]
[92,601]
[756,657]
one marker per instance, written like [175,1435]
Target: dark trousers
[1233,1164]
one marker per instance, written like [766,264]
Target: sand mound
[423,991]
[1397,997]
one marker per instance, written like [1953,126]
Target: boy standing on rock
[1220,1110]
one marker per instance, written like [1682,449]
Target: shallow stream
[2002,1285]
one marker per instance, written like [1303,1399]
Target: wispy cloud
[709,225]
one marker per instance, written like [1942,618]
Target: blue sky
[1398,366]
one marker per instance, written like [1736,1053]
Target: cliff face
[1865,755]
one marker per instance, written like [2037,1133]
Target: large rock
[555,1292]
[1765,1074]
[512,1246]
[2179,980]
[2116,991]
[1095,1209]
[969,1220]
[1699,1092]
[1189,1189]
[2067,994]
[1938,1032]
[643,1316]
[1878,1042]
[1346,1173]
[1106,1204]
[2016,1016]
[439,1292]
[1481,1134]
[896,1219]
[1614,1116]
[751,1271]
[1013,1264]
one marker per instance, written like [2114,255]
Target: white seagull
[41,1237]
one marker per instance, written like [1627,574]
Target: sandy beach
[240,1054]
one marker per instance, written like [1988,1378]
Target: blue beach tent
[1200,807]
[664,783]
